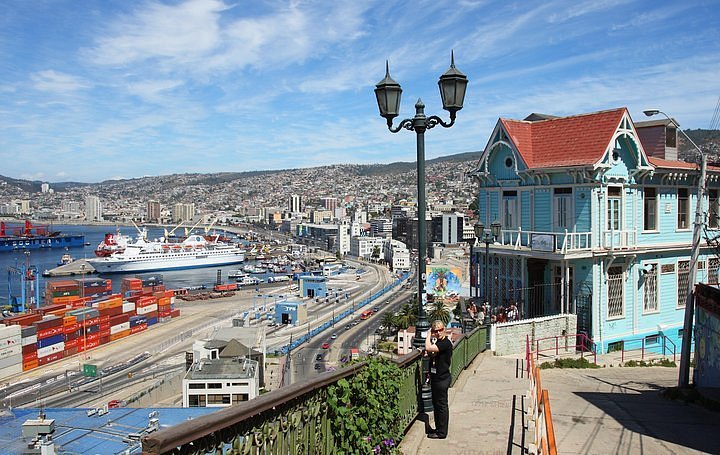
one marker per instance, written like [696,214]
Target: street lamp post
[487,237]
[453,85]
[684,374]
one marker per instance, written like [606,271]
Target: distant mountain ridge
[369,170]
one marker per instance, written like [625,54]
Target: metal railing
[562,241]
[578,342]
[664,349]
[539,409]
[296,419]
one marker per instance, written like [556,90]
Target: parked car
[326,345]
[347,327]
[319,357]
[318,366]
[333,336]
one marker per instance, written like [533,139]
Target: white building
[45,188]
[343,238]
[452,228]
[363,247]
[224,371]
[93,209]
[397,254]
[295,204]
[381,227]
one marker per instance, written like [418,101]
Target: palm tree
[407,316]
[389,321]
[440,310]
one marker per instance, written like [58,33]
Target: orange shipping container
[119,335]
[69,320]
[30,364]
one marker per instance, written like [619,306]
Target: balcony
[566,242]
[319,415]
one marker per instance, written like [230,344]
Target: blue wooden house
[597,217]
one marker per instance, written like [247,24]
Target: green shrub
[568,363]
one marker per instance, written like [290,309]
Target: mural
[707,337]
[443,282]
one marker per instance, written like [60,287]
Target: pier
[77,267]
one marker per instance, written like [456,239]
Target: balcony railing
[619,239]
[562,242]
[297,419]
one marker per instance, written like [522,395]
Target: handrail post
[642,350]
[622,353]
[557,343]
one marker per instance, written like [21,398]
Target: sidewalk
[595,411]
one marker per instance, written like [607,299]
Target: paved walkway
[612,410]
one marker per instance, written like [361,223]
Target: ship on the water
[32,237]
[145,256]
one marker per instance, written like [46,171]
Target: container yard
[80,315]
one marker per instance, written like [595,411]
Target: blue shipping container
[45,342]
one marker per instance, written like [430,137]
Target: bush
[568,363]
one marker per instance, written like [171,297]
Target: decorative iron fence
[296,419]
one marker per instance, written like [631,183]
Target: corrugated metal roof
[75,432]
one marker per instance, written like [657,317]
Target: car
[318,366]
[333,336]
[319,357]
[376,309]
[326,345]
[347,327]
[356,322]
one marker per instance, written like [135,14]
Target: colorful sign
[443,282]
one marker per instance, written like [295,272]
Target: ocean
[46,259]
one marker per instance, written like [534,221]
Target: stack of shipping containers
[80,315]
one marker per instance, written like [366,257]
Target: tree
[440,310]
[407,316]
[389,321]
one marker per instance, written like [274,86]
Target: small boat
[237,274]
[65,259]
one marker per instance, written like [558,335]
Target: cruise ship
[193,252]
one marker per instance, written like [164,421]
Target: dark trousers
[441,410]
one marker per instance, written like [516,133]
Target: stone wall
[508,338]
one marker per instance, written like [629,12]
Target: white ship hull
[149,257]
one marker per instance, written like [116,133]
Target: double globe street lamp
[452,86]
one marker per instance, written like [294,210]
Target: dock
[77,267]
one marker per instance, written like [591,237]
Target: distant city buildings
[153,211]
[295,204]
[183,212]
[93,209]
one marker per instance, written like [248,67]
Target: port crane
[29,286]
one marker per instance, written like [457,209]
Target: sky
[92,90]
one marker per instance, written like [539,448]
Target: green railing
[296,419]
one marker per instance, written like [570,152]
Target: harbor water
[48,259]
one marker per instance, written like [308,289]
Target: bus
[366,314]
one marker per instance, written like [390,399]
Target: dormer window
[670,136]
[508,162]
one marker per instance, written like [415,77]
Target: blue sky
[100,89]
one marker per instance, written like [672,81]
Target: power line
[715,122]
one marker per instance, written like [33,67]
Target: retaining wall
[508,338]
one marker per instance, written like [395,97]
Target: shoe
[436,436]
[431,431]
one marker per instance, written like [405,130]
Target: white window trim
[657,213]
[607,299]
[645,266]
[677,210]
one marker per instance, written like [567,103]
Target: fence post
[642,350]
[557,343]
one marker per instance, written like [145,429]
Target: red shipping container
[50,308]
[51,331]
[174,313]
[150,315]
[104,334]
[116,320]
[70,328]
[104,319]
[138,328]
[29,349]
[50,358]
[72,335]
[91,321]
[49,322]
[29,356]
[92,337]
[104,326]
[164,314]
[70,351]
[25,320]
[104,339]
[72,343]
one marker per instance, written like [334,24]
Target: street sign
[90,371]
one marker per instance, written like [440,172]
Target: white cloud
[54,81]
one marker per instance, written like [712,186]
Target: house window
[650,209]
[239,397]
[683,204]
[616,300]
[218,399]
[650,296]
[652,339]
[563,203]
[713,266]
[510,209]
[196,385]
[683,275]
[616,346]
[670,136]
[214,385]
[196,401]
[713,210]
[614,209]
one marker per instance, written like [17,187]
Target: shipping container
[27,332]
[53,348]
[29,349]
[45,342]
[22,320]
[50,331]
[30,364]
[174,313]
[119,335]
[128,307]
[119,328]
[13,332]
[152,321]
[10,351]
[50,358]
[146,309]
[70,352]
[11,370]
[72,343]
[138,328]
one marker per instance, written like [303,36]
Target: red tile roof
[659,162]
[566,141]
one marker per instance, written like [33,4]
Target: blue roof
[75,432]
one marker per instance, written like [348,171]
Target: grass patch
[568,363]
[651,363]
